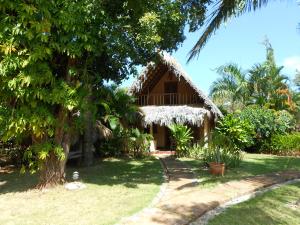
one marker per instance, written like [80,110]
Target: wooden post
[151,129]
[152,143]
[206,131]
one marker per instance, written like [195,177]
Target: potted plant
[217,167]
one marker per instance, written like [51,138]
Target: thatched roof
[177,70]
[181,114]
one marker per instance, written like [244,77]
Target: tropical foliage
[239,132]
[231,89]
[118,113]
[266,123]
[137,143]
[221,11]
[284,144]
[182,136]
[116,108]
[263,85]
[222,155]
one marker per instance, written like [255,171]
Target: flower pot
[217,168]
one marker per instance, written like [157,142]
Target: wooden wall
[183,86]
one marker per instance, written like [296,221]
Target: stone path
[183,202]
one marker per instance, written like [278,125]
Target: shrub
[196,151]
[219,150]
[286,144]
[222,155]
[223,149]
[182,136]
[285,122]
[131,142]
[137,142]
[266,123]
[238,131]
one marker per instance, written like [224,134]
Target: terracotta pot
[217,168]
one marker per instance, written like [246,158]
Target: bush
[223,149]
[266,123]
[222,155]
[219,150]
[287,144]
[137,143]
[196,151]
[182,136]
[131,142]
[238,131]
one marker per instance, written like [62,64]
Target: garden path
[184,201]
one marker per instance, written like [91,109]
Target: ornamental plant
[182,136]
[266,123]
[238,131]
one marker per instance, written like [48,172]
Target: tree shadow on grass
[17,182]
[123,172]
[270,208]
[129,173]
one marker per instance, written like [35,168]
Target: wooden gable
[157,89]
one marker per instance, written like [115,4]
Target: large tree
[54,55]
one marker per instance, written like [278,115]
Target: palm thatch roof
[172,65]
[181,114]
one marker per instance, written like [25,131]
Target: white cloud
[292,63]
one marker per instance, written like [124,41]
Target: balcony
[168,99]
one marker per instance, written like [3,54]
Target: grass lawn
[115,188]
[252,164]
[274,207]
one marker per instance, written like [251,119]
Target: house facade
[166,95]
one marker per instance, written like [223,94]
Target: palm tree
[231,88]
[267,85]
[222,10]
[117,108]
[264,85]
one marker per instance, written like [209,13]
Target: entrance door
[167,138]
[171,93]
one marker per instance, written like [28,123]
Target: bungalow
[166,95]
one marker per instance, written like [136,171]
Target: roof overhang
[167,115]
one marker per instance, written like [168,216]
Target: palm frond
[104,132]
[222,11]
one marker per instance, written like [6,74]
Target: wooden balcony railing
[168,99]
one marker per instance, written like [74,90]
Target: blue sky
[240,41]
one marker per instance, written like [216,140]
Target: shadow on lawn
[270,208]
[125,172]
[243,213]
[248,167]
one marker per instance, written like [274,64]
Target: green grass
[115,188]
[274,207]
[252,164]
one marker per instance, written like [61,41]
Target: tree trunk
[88,145]
[53,169]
